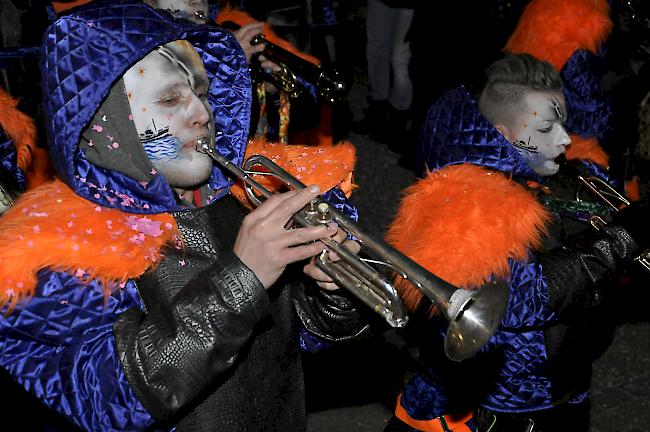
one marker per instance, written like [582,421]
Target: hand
[244,36]
[321,278]
[264,244]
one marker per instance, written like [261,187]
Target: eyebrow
[555,112]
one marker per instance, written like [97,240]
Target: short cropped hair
[509,80]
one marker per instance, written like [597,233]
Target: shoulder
[464,222]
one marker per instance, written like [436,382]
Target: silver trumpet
[613,199]
[473,316]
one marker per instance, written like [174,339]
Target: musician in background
[136,294]
[488,208]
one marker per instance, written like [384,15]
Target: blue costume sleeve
[59,346]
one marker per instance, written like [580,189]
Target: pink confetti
[144,184]
[110,138]
[80,273]
[97,195]
[168,226]
[182,263]
[30,243]
[115,145]
[131,117]
[97,128]
[153,171]
[98,208]
[144,225]
[36,229]
[90,143]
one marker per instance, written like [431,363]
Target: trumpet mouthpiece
[202,145]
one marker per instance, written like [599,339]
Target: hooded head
[126,92]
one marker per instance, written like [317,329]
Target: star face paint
[167,93]
[191,10]
[538,133]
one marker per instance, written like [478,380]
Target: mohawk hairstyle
[509,80]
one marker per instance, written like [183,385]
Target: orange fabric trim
[52,227]
[19,127]
[587,149]
[553,30]
[64,6]
[632,189]
[463,223]
[326,166]
[242,18]
[456,423]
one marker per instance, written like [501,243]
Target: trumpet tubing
[473,316]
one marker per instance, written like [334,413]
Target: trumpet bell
[477,317]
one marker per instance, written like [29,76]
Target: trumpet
[612,199]
[473,316]
[329,83]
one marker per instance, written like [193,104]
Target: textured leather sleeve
[330,315]
[578,273]
[178,347]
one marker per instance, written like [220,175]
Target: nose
[197,112]
[565,139]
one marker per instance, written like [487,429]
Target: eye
[546,130]
[169,99]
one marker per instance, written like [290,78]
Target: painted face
[167,92]
[191,10]
[538,133]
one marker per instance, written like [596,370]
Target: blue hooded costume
[471,219]
[183,335]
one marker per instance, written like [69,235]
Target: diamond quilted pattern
[589,113]
[455,132]
[86,53]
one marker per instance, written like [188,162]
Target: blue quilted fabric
[589,112]
[84,54]
[455,132]
[59,345]
[9,163]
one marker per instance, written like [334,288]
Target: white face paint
[538,133]
[192,10]
[170,110]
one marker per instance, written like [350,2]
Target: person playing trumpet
[492,206]
[136,293]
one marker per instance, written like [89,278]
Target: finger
[316,274]
[271,204]
[299,253]
[290,206]
[298,236]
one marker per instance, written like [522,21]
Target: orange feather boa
[463,223]
[326,166]
[53,227]
[553,30]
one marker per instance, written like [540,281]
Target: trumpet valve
[324,215]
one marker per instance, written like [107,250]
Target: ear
[503,130]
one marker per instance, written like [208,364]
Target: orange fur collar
[587,149]
[52,227]
[553,30]
[463,223]
[19,127]
[326,166]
